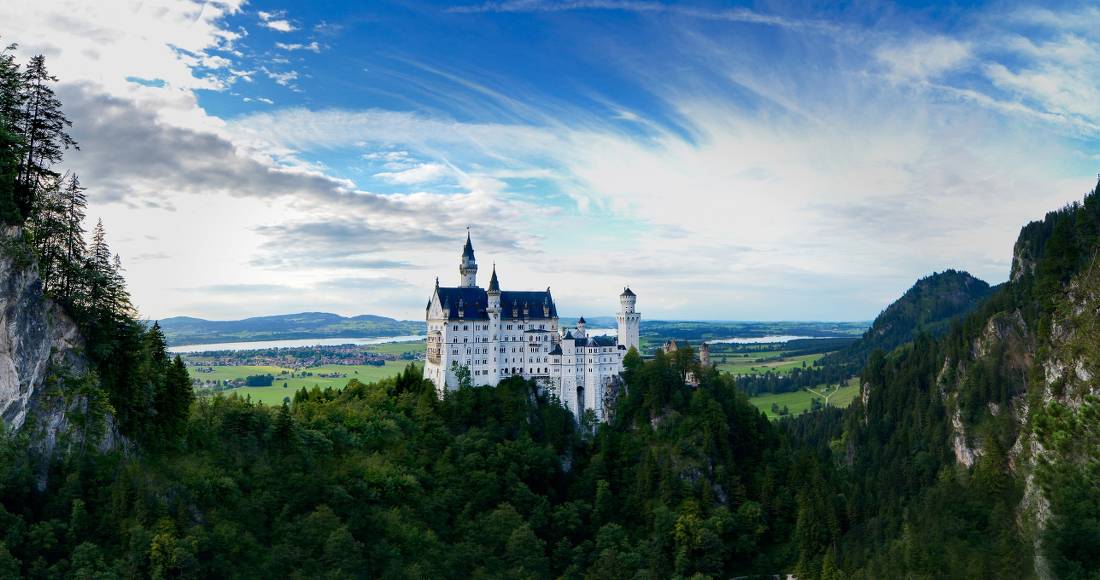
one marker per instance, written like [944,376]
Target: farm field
[744,363]
[399,347]
[274,394]
[800,401]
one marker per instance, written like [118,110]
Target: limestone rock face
[39,345]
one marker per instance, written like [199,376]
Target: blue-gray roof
[594,341]
[475,301]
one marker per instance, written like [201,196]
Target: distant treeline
[797,379]
[817,345]
[657,331]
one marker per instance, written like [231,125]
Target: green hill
[929,306]
[187,330]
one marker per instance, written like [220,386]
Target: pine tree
[173,402]
[47,226]
[73,205]
[108,299]
[11,145]
[44,130]
[11,83]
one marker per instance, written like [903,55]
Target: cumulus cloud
[276,21]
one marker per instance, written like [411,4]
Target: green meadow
[800,401]
[285,385]
[746,363]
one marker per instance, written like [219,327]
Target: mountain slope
[188,330]
[975,454]
[930,305]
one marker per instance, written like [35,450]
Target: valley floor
[801,401]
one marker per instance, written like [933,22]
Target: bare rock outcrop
[41,349]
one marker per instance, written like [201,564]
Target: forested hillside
[930,306]
[972,454]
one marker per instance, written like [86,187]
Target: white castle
[497,334]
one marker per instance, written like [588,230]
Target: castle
[496,334]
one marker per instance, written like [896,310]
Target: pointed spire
[494,285]
[437,282]
[581,320]
[468,250]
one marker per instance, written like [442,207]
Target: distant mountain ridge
[189,330]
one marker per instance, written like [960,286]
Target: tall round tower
[467,268]
[628,319]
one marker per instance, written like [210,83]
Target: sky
[737,161]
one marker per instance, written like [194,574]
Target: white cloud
[280,25]
[284,78]
[424,173]
[275,21]
[924,58]
[311,47]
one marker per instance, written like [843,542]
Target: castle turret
[704,355]
[628,320]
[468,267]
[492,310]
[493,294]
[580,332]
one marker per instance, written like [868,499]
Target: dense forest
[925,476]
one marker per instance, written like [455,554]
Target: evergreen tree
[174,400]
[44,129]
[74,204]
[10,142]
[47,226]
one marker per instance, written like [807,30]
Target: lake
[763,339]
[301,342]
[295,343]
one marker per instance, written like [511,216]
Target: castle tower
[704,355]
[580,332]
[628,320]
[468,267]
[492,309]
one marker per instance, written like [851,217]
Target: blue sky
[727,160]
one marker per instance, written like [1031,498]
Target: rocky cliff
[43,372]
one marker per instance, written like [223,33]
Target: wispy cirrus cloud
[293,46]
[734,15]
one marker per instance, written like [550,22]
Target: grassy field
[799,401]
[274,394]
[745,363]
[399,347]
